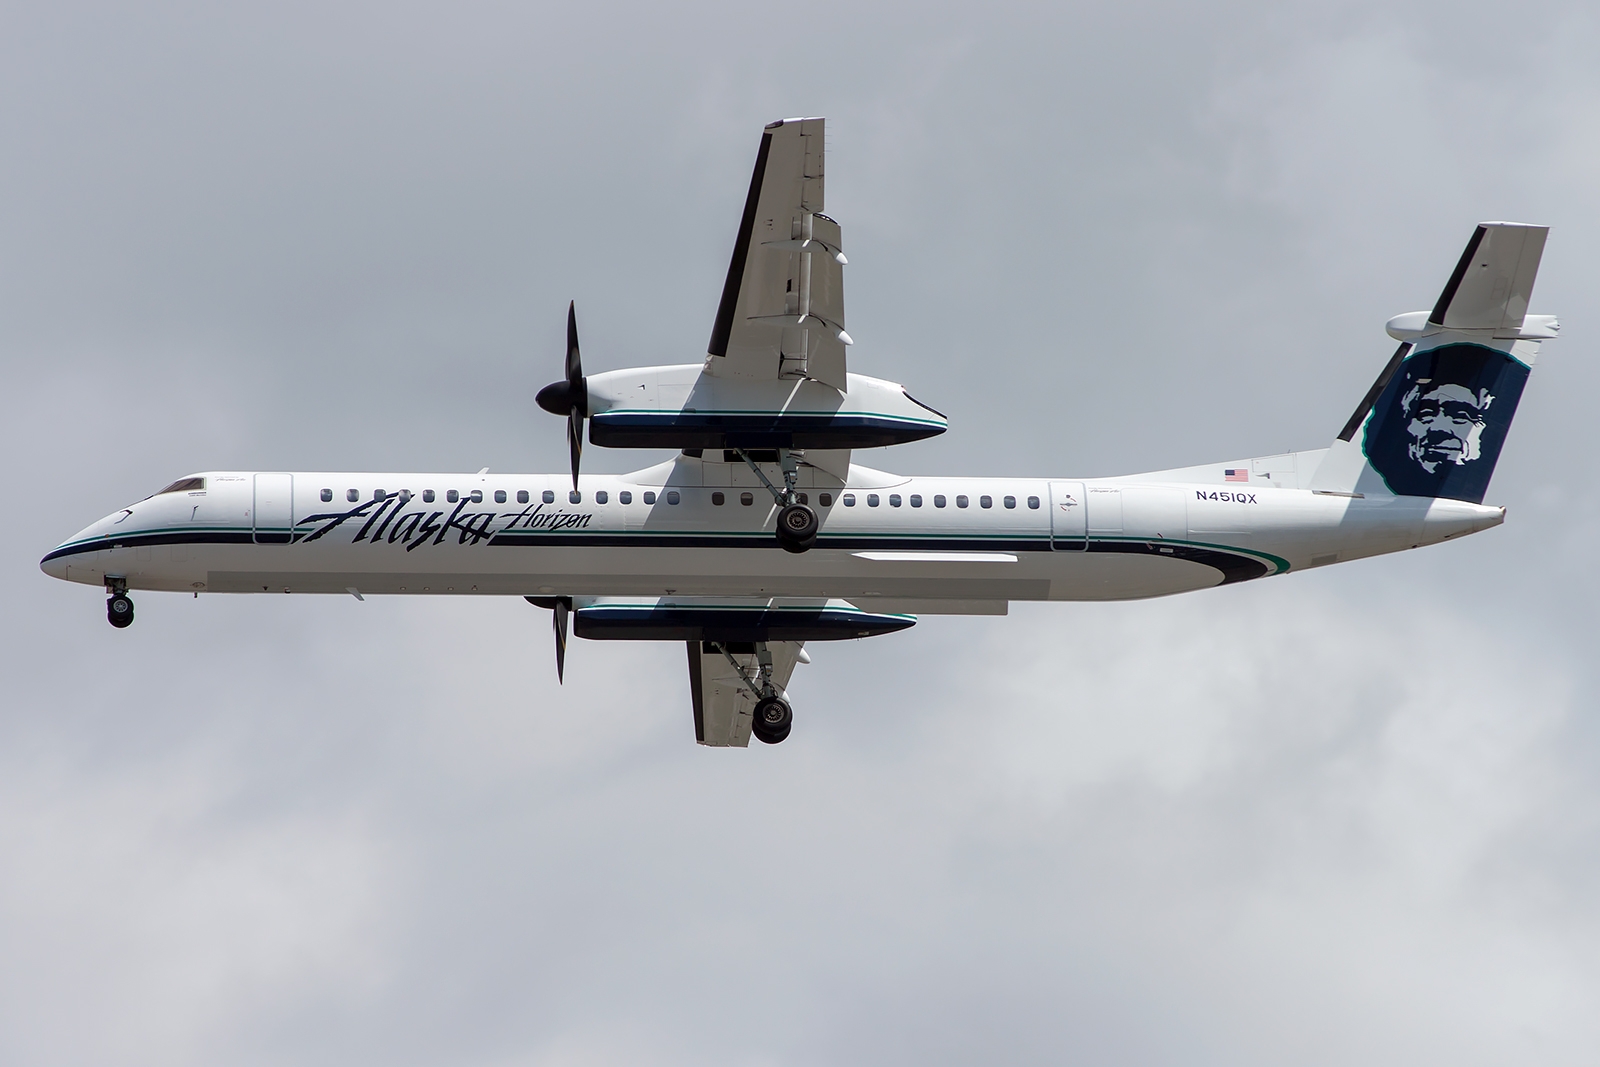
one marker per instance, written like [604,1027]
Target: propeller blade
[576,393]
[560,621]
[575,442]
[574,361]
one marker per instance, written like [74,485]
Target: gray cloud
[1341,816]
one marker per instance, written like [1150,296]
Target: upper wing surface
[782,309]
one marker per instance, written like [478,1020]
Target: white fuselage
[943,542]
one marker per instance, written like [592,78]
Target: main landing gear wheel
[119,610]
[797,528]
[773,720]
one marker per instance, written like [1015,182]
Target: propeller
[570,397]
[561,607]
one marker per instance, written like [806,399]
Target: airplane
[762,534]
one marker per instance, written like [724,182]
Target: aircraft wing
[724,702]
[739,647]
[782,309]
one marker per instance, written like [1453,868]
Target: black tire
[797,547]
[797,527]
[119,610]
[773,720]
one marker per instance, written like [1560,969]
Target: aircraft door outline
[1068,517]
[272,517]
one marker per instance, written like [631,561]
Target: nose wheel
[119,610]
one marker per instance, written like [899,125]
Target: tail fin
[1435,420]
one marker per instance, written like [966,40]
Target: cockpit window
[184,485]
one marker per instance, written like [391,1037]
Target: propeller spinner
[570,397]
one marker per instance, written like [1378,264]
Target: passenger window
[427,496]
[961,501]
[1033,502]
[379,495]
[672,496]
[574,497]
[986,501]
[405,497]
[649,497]
[327,495]
[802,498]
[718,499]
[549,497]
[450,498]
[601,497]
[522,496]
[938,500]
[746,499]
[477,496]
[848,500]
[825,499]
[625,496]
[894,500]
[1010,501]
[872,500]
[352,495]
[916,500]
[499,496]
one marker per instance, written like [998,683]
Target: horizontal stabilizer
[1492,283]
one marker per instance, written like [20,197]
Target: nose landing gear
[119,605]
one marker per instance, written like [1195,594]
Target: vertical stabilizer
[1434,422]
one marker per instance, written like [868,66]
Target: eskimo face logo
[1437,427]
[1445,423]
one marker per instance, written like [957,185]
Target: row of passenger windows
[849,501]
[453,496]
[825,499]
[718,498]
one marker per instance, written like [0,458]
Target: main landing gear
[773,718]
[119,605]
[797,523]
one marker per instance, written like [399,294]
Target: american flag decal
[1235,474]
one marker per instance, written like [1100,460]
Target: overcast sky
[1348,816]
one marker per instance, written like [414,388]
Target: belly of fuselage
[645,571]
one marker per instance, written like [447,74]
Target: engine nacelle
[621,619]
[682,407]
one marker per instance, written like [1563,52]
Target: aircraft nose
[57,560]
[53,565]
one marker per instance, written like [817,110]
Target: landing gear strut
[773,718]
[797,523]
[119,605]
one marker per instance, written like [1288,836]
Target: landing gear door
[273,514]
[1068,522]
